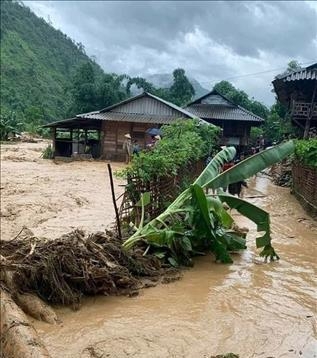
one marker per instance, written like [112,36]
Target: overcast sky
[212,41]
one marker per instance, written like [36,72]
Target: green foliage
[181,91]
[306,151]
[254,134]
[195,223]
[241,98]
[291,67]
[183,142]
[140,83]
[37,63]
[244,169]
[48,152]
[84,89]
[89,92]
[277,125]
[111,90]
[259,217]
[9,124]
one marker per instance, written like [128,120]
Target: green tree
[33,119]
[240,98]
[293,66]
[83,90]
[181,91]
[37,63]
[110,90]
[140,82]
[9,124]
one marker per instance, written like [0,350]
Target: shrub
[306,151]
[183,142]
[48,152]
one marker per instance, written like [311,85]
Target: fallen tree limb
[18,338]
[36,308]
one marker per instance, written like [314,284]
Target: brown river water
[251,308]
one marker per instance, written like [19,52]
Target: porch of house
[75,138]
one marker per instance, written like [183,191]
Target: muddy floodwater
[249,307]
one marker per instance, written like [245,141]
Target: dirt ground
[53,197]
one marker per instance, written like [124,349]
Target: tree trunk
[18,338]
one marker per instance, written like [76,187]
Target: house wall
[113,137]
[233,129]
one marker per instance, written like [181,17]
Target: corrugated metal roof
[142,105]
[144,108]
[308,73]
[209,111]
[213,97]
[182,110]
[214,105]
[74,123]
[132,117]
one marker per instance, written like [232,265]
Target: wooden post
[114,201]
[310,114]
[54,141]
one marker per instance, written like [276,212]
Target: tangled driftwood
[63,270]
[281,173]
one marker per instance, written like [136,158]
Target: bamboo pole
[114,201]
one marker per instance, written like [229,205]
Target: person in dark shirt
[236,188]
[136,148]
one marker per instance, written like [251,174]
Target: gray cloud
[210,40]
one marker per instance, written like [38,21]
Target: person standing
[136,148]
[127,147]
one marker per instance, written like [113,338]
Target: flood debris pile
[281,173]
[63,270]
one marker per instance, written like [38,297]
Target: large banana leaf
[213,168]
[259,216]
[250,166]
[211,178]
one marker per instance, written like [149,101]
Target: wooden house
[235,121]
[297,91]
[101,133]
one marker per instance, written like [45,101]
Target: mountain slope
[37,63]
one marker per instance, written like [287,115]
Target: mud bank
[53,197]
[250,308]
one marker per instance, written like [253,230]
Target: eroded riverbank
[250,308]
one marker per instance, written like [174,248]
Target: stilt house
[297,91]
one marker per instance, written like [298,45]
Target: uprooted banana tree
[197,222]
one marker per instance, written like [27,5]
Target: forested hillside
[37,64]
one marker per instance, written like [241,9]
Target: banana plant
[202,220]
